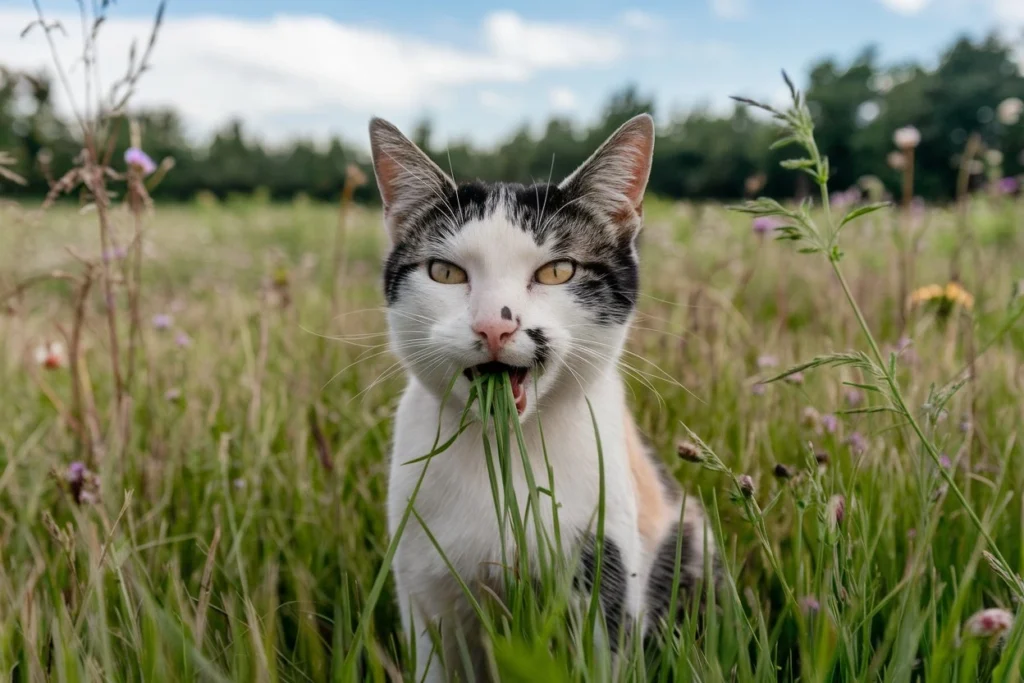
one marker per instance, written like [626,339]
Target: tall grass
[224,519]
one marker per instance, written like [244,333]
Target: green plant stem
[897,396]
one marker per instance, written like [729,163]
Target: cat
[539,281]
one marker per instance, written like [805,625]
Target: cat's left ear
[614,178]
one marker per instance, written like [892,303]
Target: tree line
[700,154]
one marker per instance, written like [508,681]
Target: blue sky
[479,69]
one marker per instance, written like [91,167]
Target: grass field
[238,524]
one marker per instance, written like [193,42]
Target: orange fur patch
[654,513]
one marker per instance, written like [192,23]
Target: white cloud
[562,99]
[639,20]
[211,68]
[908,7]
[542,45]
[1009,11]
[730,9]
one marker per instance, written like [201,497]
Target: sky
[480,69]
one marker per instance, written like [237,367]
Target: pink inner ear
[387,175]
[638,150]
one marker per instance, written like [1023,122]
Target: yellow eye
[555,273]
[446,273]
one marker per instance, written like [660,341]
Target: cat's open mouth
[516,375]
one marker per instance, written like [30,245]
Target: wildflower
[83,484]
[836,510]
[137,159]
[952,294]
[945,462]
[758,389]
[897,161]
[795,378]
[829,423]
[853,397]
[994,157]
[841,200]
[783,471]
[1009,185]
[765,224]
[746,484]
[1009,110]
[857,442]
[689,452]
[183,340]
[810,418]
[767,361]
[173,394]
[907,138]
[809,604]
[989,623]
[965,424]
[239,483]
[911,534]
[162,321]
[51,355]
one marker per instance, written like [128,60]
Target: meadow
[229,523]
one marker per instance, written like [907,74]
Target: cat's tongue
[518,380]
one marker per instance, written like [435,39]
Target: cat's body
[542,280]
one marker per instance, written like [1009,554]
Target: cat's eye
[446,273]
[555,273]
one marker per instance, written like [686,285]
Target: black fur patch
[612,591]
[543,345]
[506,313]
[606,282]
[664,572]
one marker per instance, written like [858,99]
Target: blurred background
[275,96]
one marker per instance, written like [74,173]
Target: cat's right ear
[406,177]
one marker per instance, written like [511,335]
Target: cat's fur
[500,235]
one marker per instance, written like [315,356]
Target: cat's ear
[406,177]
[614,178]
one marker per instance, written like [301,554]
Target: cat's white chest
[457,504]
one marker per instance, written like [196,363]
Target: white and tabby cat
[540,281]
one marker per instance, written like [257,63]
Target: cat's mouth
[517,376]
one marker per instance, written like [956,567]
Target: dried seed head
[783,471]
[746,484]
[689,452]
[836,510]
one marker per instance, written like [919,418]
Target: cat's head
[542,279]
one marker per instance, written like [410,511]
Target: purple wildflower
[183,340]
[136,158]
[767,361]
[830,423]
[115,254]
[857,442]
[758,389]
[76,472]
[1008,185]
[809,604]
[945,462]
[853,397]
[173,394]
[239,483]
[162,321]
[795,378]
[765,224]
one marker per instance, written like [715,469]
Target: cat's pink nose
[495,332]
